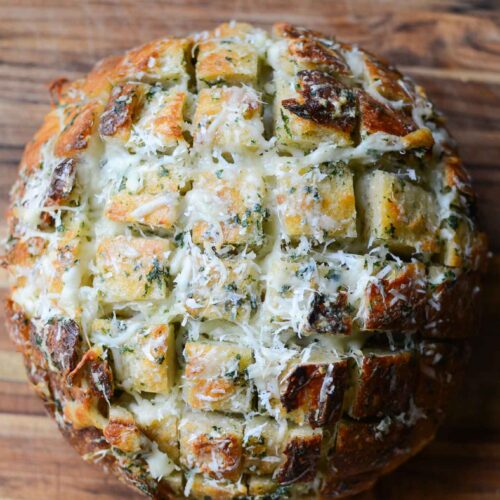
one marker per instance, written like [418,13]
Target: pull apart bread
[244,265]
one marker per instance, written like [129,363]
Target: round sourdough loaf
[244,264]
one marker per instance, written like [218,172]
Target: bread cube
[61,186]
[441,369]
[463,246]
[399,214]
[65,253]
[317,204]
[261,485]
[456,179]
[338,487]
[122,432]
[164,431]
[307,49]
[215,377]
[263,445]
[227,288]
[385,79]
[322,110]
[291,457]
[60,267]
[331,313]
[160,125]
[33,153]
[313,391]
[132,269]
[90,386]
[159,211]
[362,447]
[22,257]
[175,482]
[395,297]
[165,60]
[383,383]
[79,126]
[377,117]
[212,444]
[154,202]
[226,207]
[121,111]
[228,57]
[452,310]
[229,119]
[302,449]
[59,340]
[290,290]
[147,360]
[314,298]
[203,488]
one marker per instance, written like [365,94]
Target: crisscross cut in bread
[244,264]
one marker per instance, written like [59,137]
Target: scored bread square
[212,444]
[165,60]
[244,264]
[163,430]
[263,445]
[304,119]
[313,391]
[133,268]
[122,431]
[384,383]
[215,377]
[149,198]
[227,56]
[146,361]
[226,288]
[228,207]
[399,213]
[317,203]
[162,119]
[229,119]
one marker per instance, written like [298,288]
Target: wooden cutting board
[451,47]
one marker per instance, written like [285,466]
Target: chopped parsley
[286,121]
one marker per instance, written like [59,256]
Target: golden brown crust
[117,117]
[96,372]
[441,368]
[377,117]
[321,97]
[313,53]
[18,325]
[363,447]
[31,157]
[386,79]
[122,432]
[383,384]
[317,389]
[454,309]
[398,302]
[347,487]
[301,462]
[79,124]
[331,316]
[61,340]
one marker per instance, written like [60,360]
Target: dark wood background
[451,47]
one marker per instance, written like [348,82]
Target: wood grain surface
[451,47]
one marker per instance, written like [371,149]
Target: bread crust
[103,306]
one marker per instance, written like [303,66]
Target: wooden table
[452,47]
